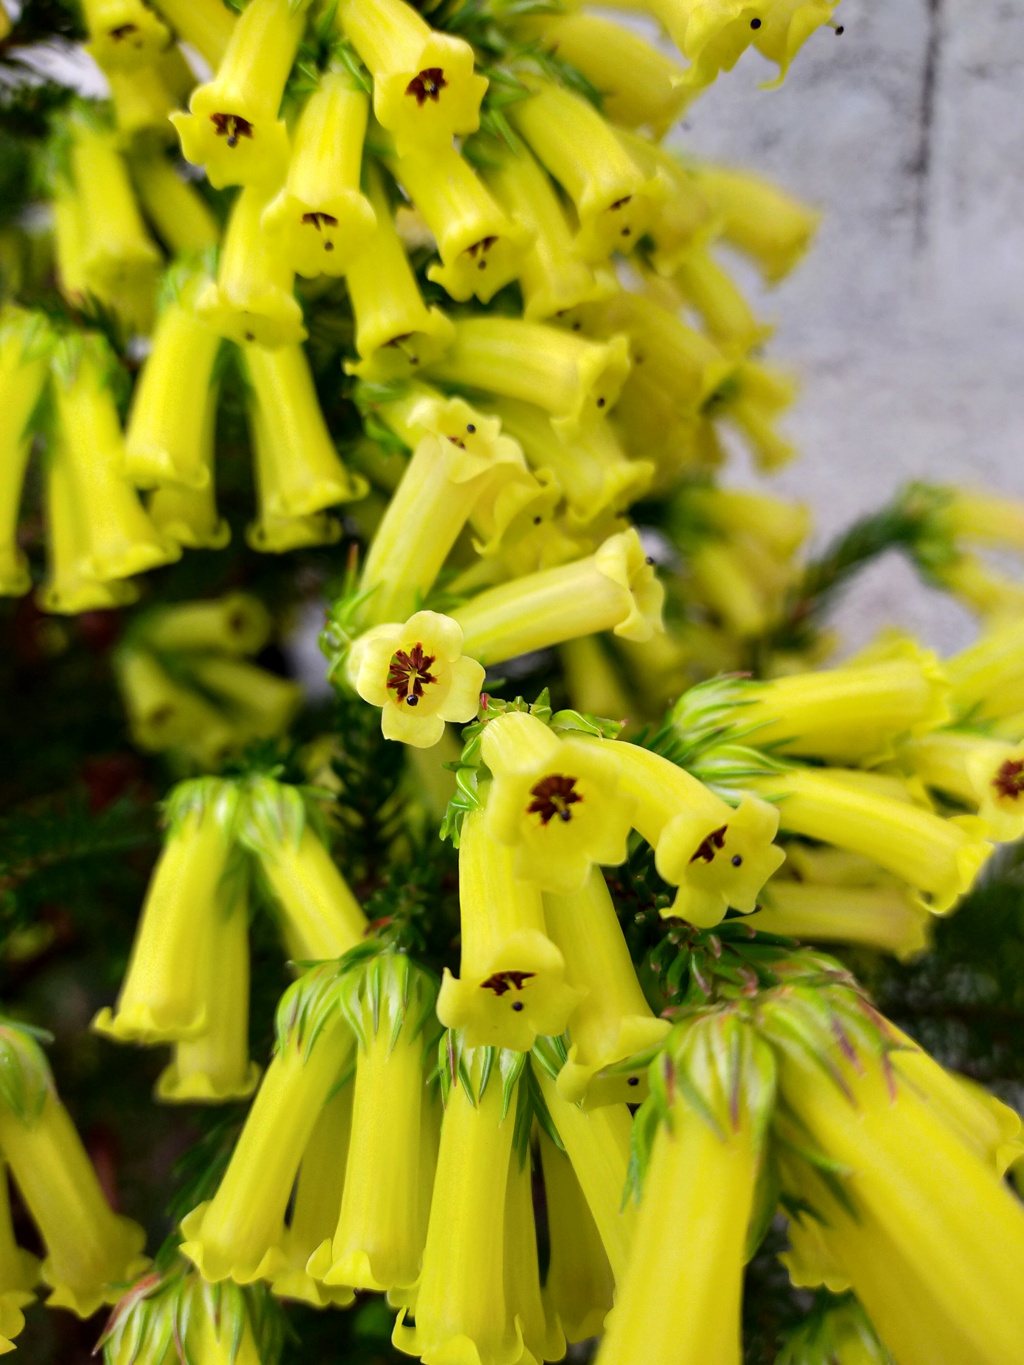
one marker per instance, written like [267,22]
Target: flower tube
[717,856]
[543,1338]
[235,624]
[276,532]
[758,218]
[162,714]
[23,370]
[712,36]
[164,440]
[252,298]
[317,1201]
[579,1285]
[89,1248]
[616,202]
[686,220]
[982,518]
[321,218]
[378,1240]
[123,34]
[260,703]
[142,103]
[165,994]
[613,1021]
[573,379]
[304,474]
[673,1311]
[418,674]
[988,676]
[175,208]
[461,1308]
[321,917]
[396,334]
[986,773]
[940,858]
[19,1274]
[887,917]
[511,985]
[188,517]
[993,596]
[239,1234]
[424,85]
[232,129]
[712,293]
[481,249]
[206,24]
[614,589]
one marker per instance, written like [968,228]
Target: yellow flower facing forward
[23,369]
[579,1286]
[985,773]
[419,676]
[886,916]
[206,24]
[90,1250]
[613,1021]
[123,34]
[253,296]
[19,1274]
[165,993]
[461,1312]
[940,858]
[786,26]
[232,128]
[424,86]
[759,218]
[174,207]
[165,438]
[558,803]
[988,676]
[481,248]
[378,1240]
[613,589]
[321,218]
[511,985]
[575,380]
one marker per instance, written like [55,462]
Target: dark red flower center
[553,795]
[231,126]
[427,85]
[1009,780]
[708,847]
[500,982]
[320,221]
[409,674]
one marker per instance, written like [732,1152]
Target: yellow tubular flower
[511,985]
[711,34]
[275,532]
[724,583]
[887,917]
[594,680]
[162,714]
[317,1201]
[940,858]
[543,1338]
[23,370]
[19,1274]
[613,1021]
[579,1286]
[235,624]
[785,28]
[552,277]
[175,208]
[615,200]
[988,676]
[378,1240]
[597,1143]
[321,917]
[594,473]
[781,525]
[575,380]
[232,129]
[166,990]
[614,589]
[307,474]
[252,298]
[420,676]
[142,104]
[673,1310]
[69,243]
[461,1315]
[123,34]
[188,516]
[321,218]
[89,1248]
[424,85]
[686,220]
[557,802]
[983,518]
[713,294]
[717,856]
[239,1234]
[396,334]
[481,249]
[760,219]
[993,596]
[164,438]
[260,703]
[985,773]
[206,24]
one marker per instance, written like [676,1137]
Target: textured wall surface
[907,320]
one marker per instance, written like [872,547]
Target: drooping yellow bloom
[123,34]
[461,1311]
[397,335]
[235,624]
[511,985]
[543,1338]
[188,517]
[320,916]
[992,595]
[232,128]
[940,858]
[163,714]
[613,589]
[722,307]
[982,772]
[579,1286]
[558,803]
[711,34]
[277,532]
[759,218]
[575,380]
[424,86]
[419,674]
[686,220]
[886,916]
[24,343]
[239,1234]
[982,518]
[378,1240]
[89,1248]
[259,704]
[988,676]
[19,1274]
[206,24]
[613,1021]
[786,26]
[321,218]
[175,208]
[166,990]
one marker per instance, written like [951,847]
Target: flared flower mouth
[554,796]
[410,674]
[1009,781]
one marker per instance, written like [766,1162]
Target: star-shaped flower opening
[718,864]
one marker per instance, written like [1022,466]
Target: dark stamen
[707,847]
[553,795]
[409,674]
[427,85]
[231,126]
[1009,780]
[500,982]
[122,31]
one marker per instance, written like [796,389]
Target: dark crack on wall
[921,166]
